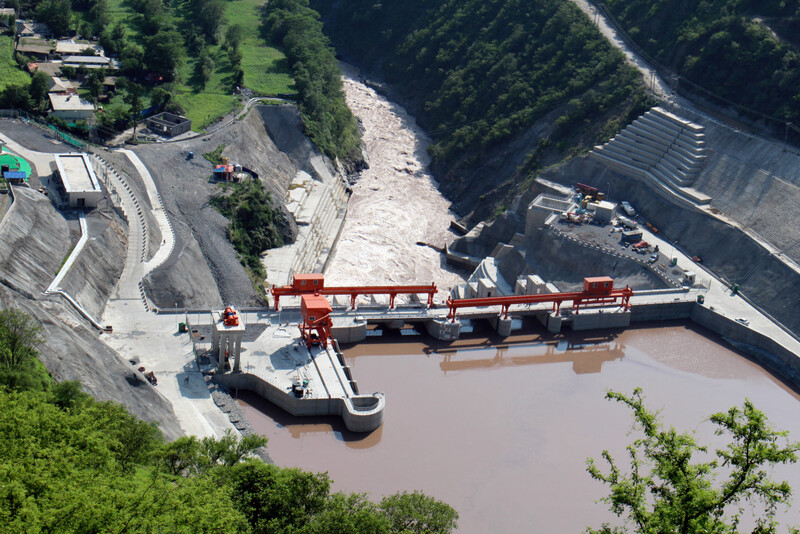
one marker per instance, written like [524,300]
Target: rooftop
[76,172]
[72,47]
[69,102]
[93,60]
[34,46]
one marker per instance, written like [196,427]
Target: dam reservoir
[501,429]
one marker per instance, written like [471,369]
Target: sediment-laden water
[395,203]
[502,432]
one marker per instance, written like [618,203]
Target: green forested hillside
[480,73]
[745,51]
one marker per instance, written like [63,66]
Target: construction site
[608,266]
[638,263]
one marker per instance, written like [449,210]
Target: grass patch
[265,71]
[10,73]
[265,68]
[206,104]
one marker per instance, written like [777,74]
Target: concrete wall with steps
[659,147]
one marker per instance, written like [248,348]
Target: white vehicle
[627,223]
[742,320]
[627,208]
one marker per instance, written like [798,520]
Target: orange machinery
[229,317]
[315,284]
[316,312]
[597,291]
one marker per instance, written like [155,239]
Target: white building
[70,107]
[76,180]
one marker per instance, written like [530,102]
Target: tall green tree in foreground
[20,335]
[675,485]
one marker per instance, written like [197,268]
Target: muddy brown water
[501,429]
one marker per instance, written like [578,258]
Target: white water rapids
[395,203]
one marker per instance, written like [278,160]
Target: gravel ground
[611,241]
[185,188]
[32,137]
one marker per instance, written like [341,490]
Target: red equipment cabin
[310,282]
[598,285]
[316,312]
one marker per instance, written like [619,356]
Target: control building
[76,181]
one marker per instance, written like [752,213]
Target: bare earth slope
[36,239]
[204,270]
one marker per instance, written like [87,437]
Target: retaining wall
[363,413]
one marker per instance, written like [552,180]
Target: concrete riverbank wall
[765,351]
[362,413]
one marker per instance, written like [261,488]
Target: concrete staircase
[662,149]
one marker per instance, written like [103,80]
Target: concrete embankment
[360,414]
[726,250]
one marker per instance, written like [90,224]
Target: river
[499,429]
[395,203]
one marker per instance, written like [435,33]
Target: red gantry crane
[597,291]
[315,284]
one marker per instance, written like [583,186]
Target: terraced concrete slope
[36,239]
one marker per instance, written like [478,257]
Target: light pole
[608,194]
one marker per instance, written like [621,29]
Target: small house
[15,177]
[169,124]
[70,107]
[76,180]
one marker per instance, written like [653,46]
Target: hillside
[744,52]
[504,88]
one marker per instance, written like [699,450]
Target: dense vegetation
[480,73]
[71,464]
[728,47]
[326,118]
[255,225]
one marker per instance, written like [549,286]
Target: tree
[57,14]
[669,490]
[164,51]
[234,34]
[209,16]
[417,513]
[38,89]
[20,335]
[277,500]
[134,100]
[204,68]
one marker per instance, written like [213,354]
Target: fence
[44,125]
